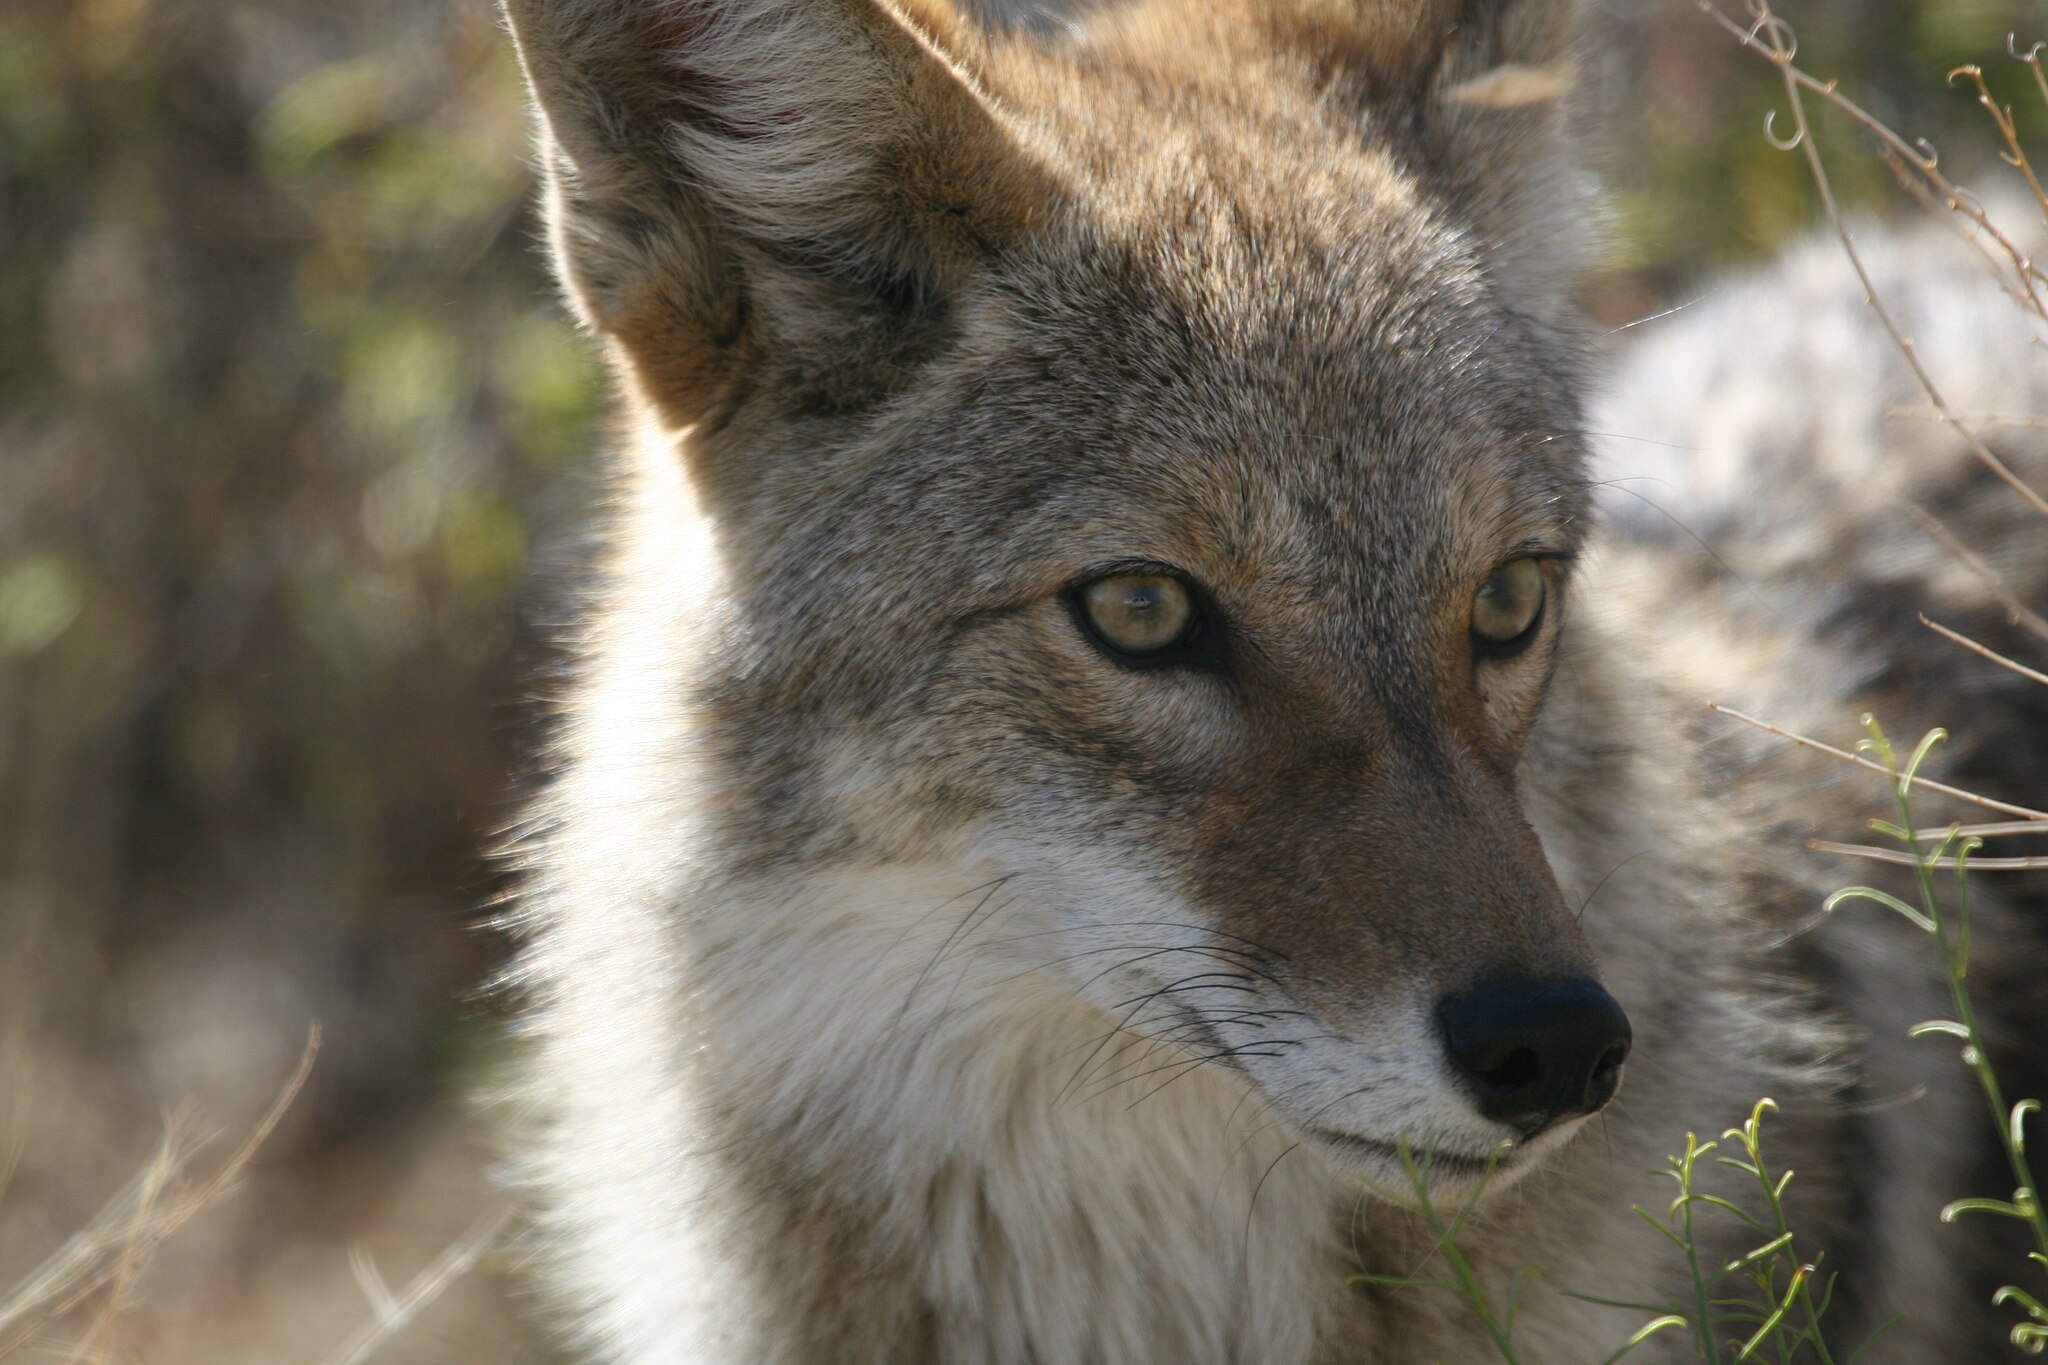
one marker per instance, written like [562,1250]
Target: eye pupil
[1138,614]
[1509,605]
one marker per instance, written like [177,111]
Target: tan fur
[914,982]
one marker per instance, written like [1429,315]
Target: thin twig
[2014,155]
[2032,60]
[2019,289]
[2017,612]
[1779,51]
[2027,812]
[1904,859]
[1991,831]
[1989,419]
[2031,675]
[1921,158]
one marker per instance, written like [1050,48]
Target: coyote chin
[1099,728]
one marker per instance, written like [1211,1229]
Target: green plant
[1771,1312]
[1927,851]
[1783,1313]
[1949,926]
[1459,1277]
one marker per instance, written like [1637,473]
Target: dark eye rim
[1494,651]
[1200,646]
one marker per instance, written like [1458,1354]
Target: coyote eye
[1138,614]
[1509,605]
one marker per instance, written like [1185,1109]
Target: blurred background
[295,453]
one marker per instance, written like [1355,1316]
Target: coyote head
[1140,458]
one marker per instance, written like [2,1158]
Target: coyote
[1102,724]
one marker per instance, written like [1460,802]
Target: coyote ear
[751,193]
[1485,86]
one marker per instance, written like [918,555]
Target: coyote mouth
[1438,1160]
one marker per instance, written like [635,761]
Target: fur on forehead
[1217,369]
[1469,98]
[1115,405]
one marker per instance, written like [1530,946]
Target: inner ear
[1476,94]
[767,196]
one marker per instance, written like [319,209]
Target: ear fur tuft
[1483,86]
[1511,86]
[734,179]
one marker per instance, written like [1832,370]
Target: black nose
[1533,1052]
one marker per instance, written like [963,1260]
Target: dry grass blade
[2016,611]
[82,1264]
[128,1264]
[1771,37]
[2026,812]
[115,1248]
[1904,859]
[391,1312]
[2031,675]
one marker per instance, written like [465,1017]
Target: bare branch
[1771,37]
[2014,154]
[2016,611]
[2027,812]
[1967,643]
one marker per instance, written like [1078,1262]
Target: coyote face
[1218,640]
[1158,491]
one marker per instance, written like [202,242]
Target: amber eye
[1138,614]
[1509,604]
